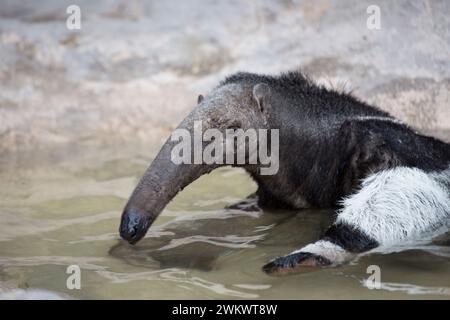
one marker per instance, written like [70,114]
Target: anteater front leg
[391,207]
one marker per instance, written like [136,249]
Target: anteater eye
[233,127]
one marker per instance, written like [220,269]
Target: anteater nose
[134,224]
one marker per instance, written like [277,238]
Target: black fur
[324,150]
[327,146]
[292,261]
[349,238]
[301,97]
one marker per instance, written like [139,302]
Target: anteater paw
[294,263]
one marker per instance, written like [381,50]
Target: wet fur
[335,147]
[338,141]
[387,181]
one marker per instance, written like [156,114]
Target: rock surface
[135,68]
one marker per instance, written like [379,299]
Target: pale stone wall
[135,68]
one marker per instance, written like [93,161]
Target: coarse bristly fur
[387,182]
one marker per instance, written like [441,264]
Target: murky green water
[64,210]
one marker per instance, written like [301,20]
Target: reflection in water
[196,242]
[57,214]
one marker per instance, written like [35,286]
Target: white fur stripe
[399,204]
[377,118]
[328,250]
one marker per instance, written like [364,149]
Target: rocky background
[135,68]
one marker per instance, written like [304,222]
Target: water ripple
[411,289]
[84,262]
[229,241]
[175,275]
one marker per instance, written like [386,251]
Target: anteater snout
[134,224]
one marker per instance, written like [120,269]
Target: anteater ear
[261,92]
[200,99]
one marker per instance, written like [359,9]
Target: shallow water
[59,210]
